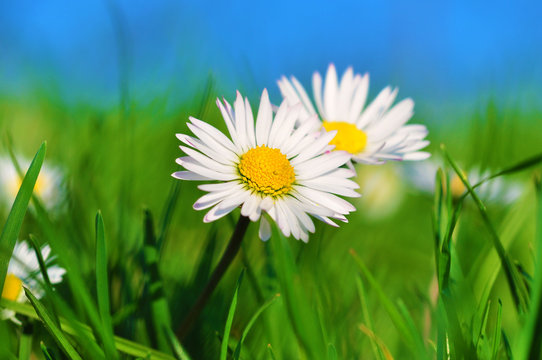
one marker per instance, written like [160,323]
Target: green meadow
[443,272]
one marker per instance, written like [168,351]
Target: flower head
[49,185]
[23,269]
[268,166]
[373,134]
[498,190]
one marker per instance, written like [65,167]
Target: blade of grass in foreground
[123,345]
[517,287]
[237,352]
[159,310]
[299,308]
[16,215]
[367,317]
[229,320]
[530,343]
[411,337]
[51,327]
[102,290]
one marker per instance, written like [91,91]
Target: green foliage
[445,276]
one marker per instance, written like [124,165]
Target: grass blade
[497,335]
[407,334]
[367,317]
[268,303]
[229,320]
[102,290]
[176,345]
[51,327]
[123,345]
[160,318]
[517,286]
[16,215]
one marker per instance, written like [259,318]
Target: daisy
[23,269]
[49,185]
[268,166]
[497,190]
[373,134]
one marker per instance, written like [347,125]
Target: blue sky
[438,52]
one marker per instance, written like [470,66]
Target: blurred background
[108,84]
[443,54]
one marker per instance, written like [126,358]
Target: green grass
[137,255]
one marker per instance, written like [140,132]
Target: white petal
[379,105]
[331,93]
[213,132]
[251,136]
[321,164]
[208,162]
[193,166]
[317,92]
[265,229]
[360,96]
[264,119]
[224,157]
[346,87]
[330,201]
[228,118]
[241,122]
[189,175]
[314,149]
[285,130]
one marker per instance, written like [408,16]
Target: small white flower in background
[49,186]
[384,190]
[268,166]
[373,134]
[499,190]
[23,269]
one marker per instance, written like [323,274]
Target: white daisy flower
[23,269]
[267,166]
[49,185]
[384,189]
[373,134]
[498,190]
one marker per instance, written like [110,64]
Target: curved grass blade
[160,318]
[497,335]
[123,345]
[52,328]
[408,335]
[229,320]
[367,317]
[45,352]
[102,290]
[25,346]
[530,342]
[268,303]
[176,345]
[16,215]
[517,286]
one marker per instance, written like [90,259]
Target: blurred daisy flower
[49,185]
[23,269]
[373,134]
[499,190]
[384,191]
[268,166]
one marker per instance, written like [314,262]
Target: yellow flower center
[349,137]
[12,287]
[267,171]
[456,186]
[38,188]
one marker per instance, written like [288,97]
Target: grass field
[418,272]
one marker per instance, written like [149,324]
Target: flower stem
[229,254]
